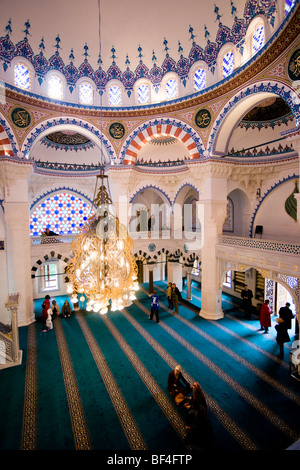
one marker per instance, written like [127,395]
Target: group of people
[198,426]
[283,323]
[173,296]
[49,312]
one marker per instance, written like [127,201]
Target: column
[188,286]
[212,213]
[18,247]
[175,274]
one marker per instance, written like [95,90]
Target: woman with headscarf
[199,429]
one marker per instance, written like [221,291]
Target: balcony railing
[270,245]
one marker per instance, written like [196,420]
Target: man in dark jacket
[247,296]
[287,315]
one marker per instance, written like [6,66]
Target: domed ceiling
[130,30]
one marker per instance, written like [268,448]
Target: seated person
[199,429]
[178,386]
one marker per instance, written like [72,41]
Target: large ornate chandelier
[103,270]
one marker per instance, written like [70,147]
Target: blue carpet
[114,368]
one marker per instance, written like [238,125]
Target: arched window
[62,213]
[115,96]
[199,79]
[22,76]
[55,87]
[86,95]
[171,88]
[228,64]
[288,6]
[258,38]
[143,94]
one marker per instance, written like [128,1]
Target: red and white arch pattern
[5,145]
[156,131]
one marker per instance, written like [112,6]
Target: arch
[46,257]
[158,127]
[5,143]
[274,186]
[151,187]
[236,107]
[187,186]
[282,279]
[70,123]
[8,143]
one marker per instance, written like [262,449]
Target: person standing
[176,296]
[287,315]
[265,316]
[247,296]
[169,296]
[282,335]
[154,307]
[45,307]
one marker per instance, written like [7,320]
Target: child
[49,323]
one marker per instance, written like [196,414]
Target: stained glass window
[62,213]
[143,94]
[55,87]
[288,6]
[199,80]
[115,96]
[258,38]
[171,88]
[86,95]
[22,76]
[228,64]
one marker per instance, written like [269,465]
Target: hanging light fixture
[103,269]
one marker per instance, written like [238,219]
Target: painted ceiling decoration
[155,73]
[67,140]
[270,113]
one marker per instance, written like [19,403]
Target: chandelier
[103,270]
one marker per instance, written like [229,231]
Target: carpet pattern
[100,382]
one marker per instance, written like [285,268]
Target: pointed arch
[70,123]
[233,111]
[158,127]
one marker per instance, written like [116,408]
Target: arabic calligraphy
[294,65]
[21,117]
[117,130]
[203,118]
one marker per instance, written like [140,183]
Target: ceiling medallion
[294,66]
[203,118]
[117,130]
[20,117]
[67,138]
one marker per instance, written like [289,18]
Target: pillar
[188,286]
[17,240]
[175,274]
[212,213]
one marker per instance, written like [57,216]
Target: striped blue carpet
[100,382]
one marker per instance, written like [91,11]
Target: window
[199,79]
[143,94]
[115,96]
[258,38]
[63,213]
[49,279]
[22,76]
[55,87]
[228,279]
[86,95]
[171,88]
[228,64]
[288,6]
